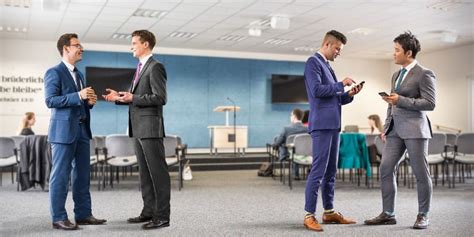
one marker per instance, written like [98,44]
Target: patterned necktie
[400,78]
[137,75]
[77,79]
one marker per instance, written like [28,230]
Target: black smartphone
[383,93]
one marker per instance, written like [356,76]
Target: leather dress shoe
[139,219]
[336,218]
[155,224]
[91,220]
[65,225]
[382,219]
[311,223]
[422,222]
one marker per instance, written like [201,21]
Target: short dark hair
[65,40]
[408,42]
[336,34]
[146,36]
[298,113]
[305,116]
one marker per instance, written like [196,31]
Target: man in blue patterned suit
[325,95]
[69,134]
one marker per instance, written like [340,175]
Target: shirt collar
[69,66]
[144,59]
[411,65]
[322,55]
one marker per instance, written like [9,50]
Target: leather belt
[82,120]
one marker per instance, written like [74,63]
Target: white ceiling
[97,20]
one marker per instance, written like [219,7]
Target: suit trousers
[73,157]
[154,178]
[323,169]
[417,151]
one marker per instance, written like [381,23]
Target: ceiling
[370,25]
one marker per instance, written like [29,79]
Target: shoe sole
[59,228]
[335,222]
[420,227]
[390,222]
[157,227]
[307,227]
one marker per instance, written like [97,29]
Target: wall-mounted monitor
[288,89]
[100,78]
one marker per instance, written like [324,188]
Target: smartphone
[383,93]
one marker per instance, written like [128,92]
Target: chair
[8,156]
[370,139]
[436,155]
[464,154]
[302,146]
[119,152]
[351,128]
[175,154]
[272,154]
[450,144]
[289,145]
[18,140]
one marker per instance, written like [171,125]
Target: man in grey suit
[295,127]
[407,128]
[146,99]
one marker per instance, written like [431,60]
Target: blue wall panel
[196,85]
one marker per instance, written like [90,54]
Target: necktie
[332,72]
[400,78]
[137,75]
[77,79]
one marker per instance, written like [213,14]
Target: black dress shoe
[382,219]
[155,224]
[65,225]
[422,222]
[91,220]
[139,219]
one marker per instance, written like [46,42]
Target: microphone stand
[235,132]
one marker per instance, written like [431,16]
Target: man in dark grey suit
[407,128]
[146,99]
[295,127]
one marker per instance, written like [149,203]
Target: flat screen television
[100,78]
[288,89]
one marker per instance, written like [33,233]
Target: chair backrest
[7,147]
[99,141]
[370,138]
[290,139]
[451,139]
[119,145]
[170,143]
[351,128]
[18,140]
[93,145]
[379,144]
[465,143]
[436,143]
[303,145]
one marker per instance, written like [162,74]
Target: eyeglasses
[79,46]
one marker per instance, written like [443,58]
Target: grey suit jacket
[295,128]
[417,95]
[149,97]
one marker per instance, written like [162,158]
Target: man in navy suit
[69,134]
[326,95]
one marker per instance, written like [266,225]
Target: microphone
[229,99]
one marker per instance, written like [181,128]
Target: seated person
[26,123]
[296,127]
[305,118]
[375,124]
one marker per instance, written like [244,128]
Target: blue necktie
[400,78]
[78,79]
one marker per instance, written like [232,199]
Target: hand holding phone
[383,94]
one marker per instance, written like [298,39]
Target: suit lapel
[145,67]
[66,72]
[410,75]
[333,74]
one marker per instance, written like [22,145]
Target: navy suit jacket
[325,95]
[62,98]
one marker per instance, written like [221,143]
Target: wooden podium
[227,136]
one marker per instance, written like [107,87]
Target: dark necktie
[332,71]
[400,78]
[137,75]
[78,79]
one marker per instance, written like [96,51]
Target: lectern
[227,136]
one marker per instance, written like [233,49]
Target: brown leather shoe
[311,223]
[91,220]
[65,225]
[139,219]
[382,219]
[337,218]
[422,222]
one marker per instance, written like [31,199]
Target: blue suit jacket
[325,95]
[65,104]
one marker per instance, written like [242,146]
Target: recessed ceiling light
[277,41]
[121,36]
[149,13]
[361,31]
[235,38]
[13,29]
[16,3]
[446,5]
[255,31]
[185,35]
[306,49]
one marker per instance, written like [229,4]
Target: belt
[82,120]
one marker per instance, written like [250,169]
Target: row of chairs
[112,153]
